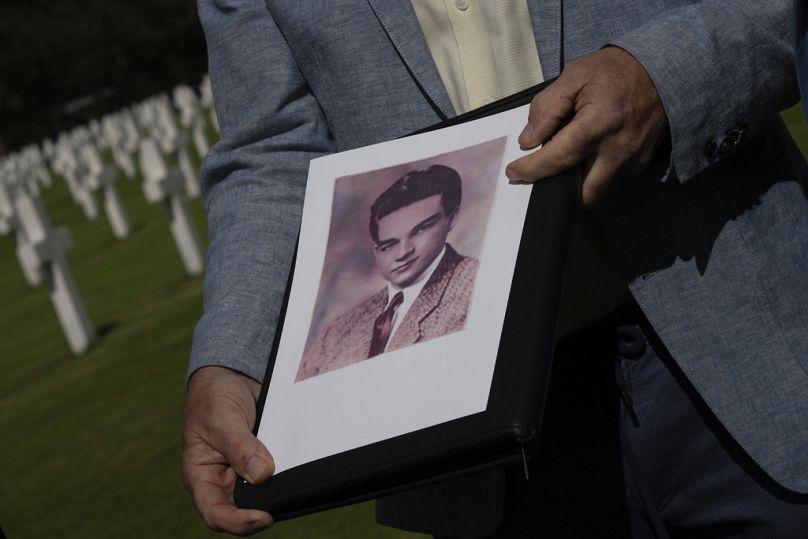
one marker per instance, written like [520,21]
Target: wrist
[203,379]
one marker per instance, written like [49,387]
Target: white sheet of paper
[415,387]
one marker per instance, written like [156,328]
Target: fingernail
[256,466]
[513,175]
[526,131]
[257,526]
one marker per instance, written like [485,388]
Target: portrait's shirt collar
[411,292]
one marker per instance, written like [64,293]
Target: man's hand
[218,443]
[616,123]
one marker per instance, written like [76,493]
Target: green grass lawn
[90,446]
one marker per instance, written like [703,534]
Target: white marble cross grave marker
[163,185]
[114,136]
[6,210]
[186,167]
[46,250]
[66,164]
[173,140]
[9,188]
[191,117]
[102,177]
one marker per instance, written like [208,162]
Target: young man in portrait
[429,285]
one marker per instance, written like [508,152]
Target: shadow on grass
[102,331]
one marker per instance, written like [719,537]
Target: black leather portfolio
[505,432]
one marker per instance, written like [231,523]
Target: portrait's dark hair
[414,186]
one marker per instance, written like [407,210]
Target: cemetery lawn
[90,446]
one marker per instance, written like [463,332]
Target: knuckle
[537,108]
[236,451]
[547,102]
[575,63]
[554,115]
[629,150]
[573,150]
[602,116]
[602,120]
[567,162]
[240,451]
[570,70]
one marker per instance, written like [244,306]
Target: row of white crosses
[157,118]
[41,251]
[148,129]
[77,160]
[120,135]
[191,117]
[163,183]
[31,160]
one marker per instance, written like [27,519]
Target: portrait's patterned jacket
[439,309]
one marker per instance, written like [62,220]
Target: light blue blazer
[716,252]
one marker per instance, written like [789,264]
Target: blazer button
[732,139]
[726,147]
[737,135]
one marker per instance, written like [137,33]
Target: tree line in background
[64,62]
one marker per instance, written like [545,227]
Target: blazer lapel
[409,332]
[547,19]
[402,27]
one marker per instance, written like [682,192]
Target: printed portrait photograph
[402,256]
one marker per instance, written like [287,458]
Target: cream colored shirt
[485,50]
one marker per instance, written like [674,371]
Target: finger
[567,149]
[548,112]
[213,497]
[597,175]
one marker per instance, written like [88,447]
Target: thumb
[247,455]
[258,467]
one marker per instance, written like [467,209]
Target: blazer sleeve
[253,182]
[722,69]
